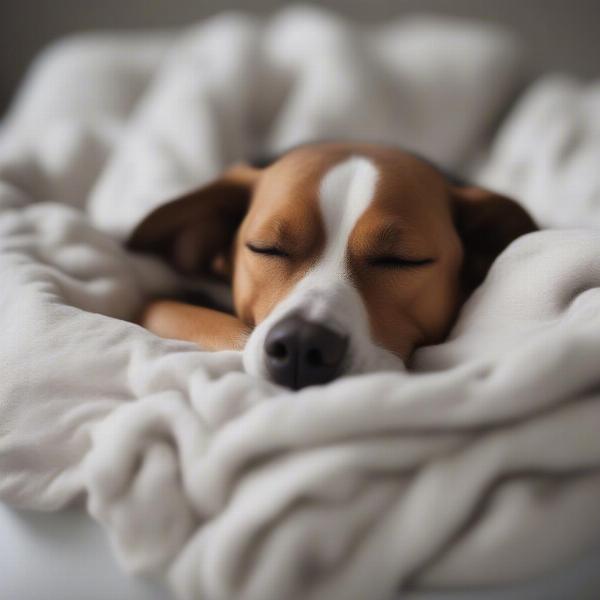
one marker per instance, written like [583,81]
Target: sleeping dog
[342,258]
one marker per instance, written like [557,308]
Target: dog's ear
[487,223]
[194,232]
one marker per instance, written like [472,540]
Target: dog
[343,258]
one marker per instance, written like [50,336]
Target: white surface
[64,556]
[236,488]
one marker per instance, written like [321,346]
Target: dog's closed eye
[399,262]
[268,250]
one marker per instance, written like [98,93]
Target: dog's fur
[375,242]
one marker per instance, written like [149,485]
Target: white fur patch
[346,192]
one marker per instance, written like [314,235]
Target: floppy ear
[487,223]
[194,232]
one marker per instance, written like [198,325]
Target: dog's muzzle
[299,353]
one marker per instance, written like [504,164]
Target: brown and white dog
[342,257]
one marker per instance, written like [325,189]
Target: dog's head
[343,258]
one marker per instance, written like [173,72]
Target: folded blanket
[482,467]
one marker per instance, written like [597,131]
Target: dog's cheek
[245,294]
[394,335]
[253,354]
[387,324]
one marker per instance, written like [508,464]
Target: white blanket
[483,468]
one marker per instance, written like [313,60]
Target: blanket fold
[480,466]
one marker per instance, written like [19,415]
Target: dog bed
[480,467]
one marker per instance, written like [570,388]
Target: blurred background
[561,35]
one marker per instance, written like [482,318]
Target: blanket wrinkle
[558,116]
[478,467]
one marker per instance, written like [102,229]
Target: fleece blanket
[480,466]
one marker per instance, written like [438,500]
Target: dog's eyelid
[399,261]
[267,249]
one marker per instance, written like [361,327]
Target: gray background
[560,34]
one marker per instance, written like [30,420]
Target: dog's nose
[301,353]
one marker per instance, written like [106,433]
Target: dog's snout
[300,353]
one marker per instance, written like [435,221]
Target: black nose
[301,353]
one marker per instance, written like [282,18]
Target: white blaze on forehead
[345,193]
[326,293]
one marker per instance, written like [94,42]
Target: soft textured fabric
[480,468]
[548,152]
